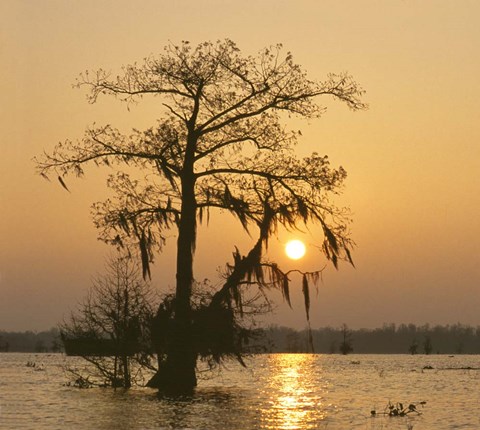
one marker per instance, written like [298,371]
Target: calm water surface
[282,391]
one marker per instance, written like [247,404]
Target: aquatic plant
[399,409]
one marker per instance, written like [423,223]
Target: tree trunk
[177,372]
[127,383]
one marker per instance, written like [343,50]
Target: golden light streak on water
[296,400]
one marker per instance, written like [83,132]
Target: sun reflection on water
[295,400]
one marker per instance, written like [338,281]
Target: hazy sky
[413,158]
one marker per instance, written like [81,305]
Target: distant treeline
[389,339]
[29,341]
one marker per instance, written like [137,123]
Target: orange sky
[413,158]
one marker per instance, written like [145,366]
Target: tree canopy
[220,144]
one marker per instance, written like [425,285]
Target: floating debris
[80,382]
[35,366]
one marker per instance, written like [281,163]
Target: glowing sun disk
[295,249]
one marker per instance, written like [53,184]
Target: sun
[295,249]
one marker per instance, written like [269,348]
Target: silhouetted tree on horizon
[413,348]
[346,346]
[427,345]
[220,144]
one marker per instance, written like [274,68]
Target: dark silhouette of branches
[111,327]
[220,144]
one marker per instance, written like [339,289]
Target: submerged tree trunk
[176,374]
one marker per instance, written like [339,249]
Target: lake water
[278,391]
